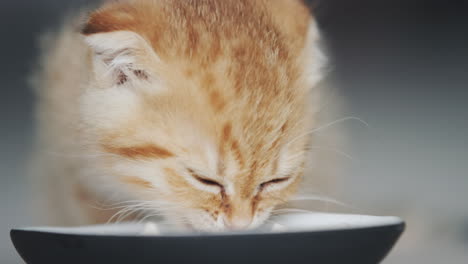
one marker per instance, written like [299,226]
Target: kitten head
[200,106]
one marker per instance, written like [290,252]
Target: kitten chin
[196,111]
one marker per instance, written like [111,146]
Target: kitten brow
[142,151]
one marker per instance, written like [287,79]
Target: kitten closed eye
[204,180]
[274,181]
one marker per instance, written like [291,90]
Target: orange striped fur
[145,151]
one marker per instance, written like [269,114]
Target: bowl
[293,238]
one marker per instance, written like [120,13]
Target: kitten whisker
[318,198]
[148,216]
[119,205]
[119,213]
[327,126]
[132,208]
[335,150]
[290,210]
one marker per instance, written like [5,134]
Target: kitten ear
[120,57]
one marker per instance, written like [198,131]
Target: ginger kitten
[192,110]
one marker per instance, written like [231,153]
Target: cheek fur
[204,220]
[108,109]
[260,217]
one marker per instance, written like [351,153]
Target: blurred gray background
[401,66]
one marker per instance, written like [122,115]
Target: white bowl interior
[294,222]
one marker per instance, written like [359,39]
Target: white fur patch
[108,108]
[315,59]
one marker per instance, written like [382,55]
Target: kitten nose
[237,223]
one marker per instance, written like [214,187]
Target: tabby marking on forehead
[141,152]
